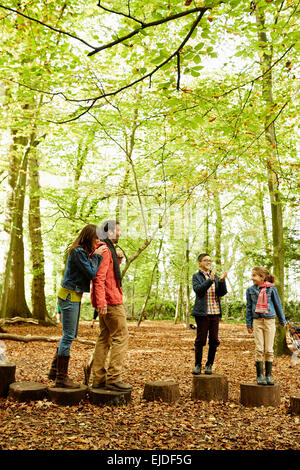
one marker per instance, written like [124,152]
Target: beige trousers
[264,334]
[113,338]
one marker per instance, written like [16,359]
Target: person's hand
[250,330]
[102,311]
[222,277]
[101,249]
[120,254]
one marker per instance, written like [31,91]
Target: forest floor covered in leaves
[157,350]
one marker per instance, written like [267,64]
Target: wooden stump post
[27,391]
[295,404]
[101,396]
[253,394]
[7,377]
[67,396]
[210,387]
[165,390]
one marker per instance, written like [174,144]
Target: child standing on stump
[263,304]
[208,288]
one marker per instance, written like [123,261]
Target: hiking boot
[99,385]
[197,369]
[119,386]
[208,369]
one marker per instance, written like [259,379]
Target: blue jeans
[70,312]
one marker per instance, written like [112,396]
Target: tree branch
[144,26]
[46,25]
[49,339]
[178,71]
[138,80]
[129,16]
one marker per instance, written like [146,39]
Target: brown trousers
[113,338]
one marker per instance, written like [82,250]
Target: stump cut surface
[252,394]
[295,403]
[101,396]
[27,391]
[210,387]
[165,390]
[67,396]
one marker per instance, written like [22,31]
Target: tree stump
[295,404]
[101,396]
[7,377]
[67,396]
[253,394]
[164,390]
[210,387]
[27,391]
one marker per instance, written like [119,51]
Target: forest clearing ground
[157,350]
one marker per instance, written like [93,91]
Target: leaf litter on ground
[157,350]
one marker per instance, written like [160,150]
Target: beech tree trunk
[179,303]
[218,233]
[188,288]
[268,250]
[13,301]
[150,284]
[39,309]
[272,171]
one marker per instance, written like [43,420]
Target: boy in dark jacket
[207,311]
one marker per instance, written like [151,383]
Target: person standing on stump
[107,298]
[81,268]
[208,288]
[263,304]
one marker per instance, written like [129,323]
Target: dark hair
[263,272]
[108,226]
[201,256]
[85,238]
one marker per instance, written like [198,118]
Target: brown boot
[53,367]
[62,379]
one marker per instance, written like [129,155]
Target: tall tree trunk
[206,228]
[272,165]
[120,200]
[218,233]
[81,157]
[13,301]
[188,289]
[179,303]
[39,309]
[14,163]
[155,267]
[268,250]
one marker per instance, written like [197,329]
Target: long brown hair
[85,238]
[263,272]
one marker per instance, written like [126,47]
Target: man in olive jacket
[207,311]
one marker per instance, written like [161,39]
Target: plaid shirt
[213,307]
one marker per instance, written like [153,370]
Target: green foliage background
[172,144]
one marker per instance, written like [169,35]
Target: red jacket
[105,288]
